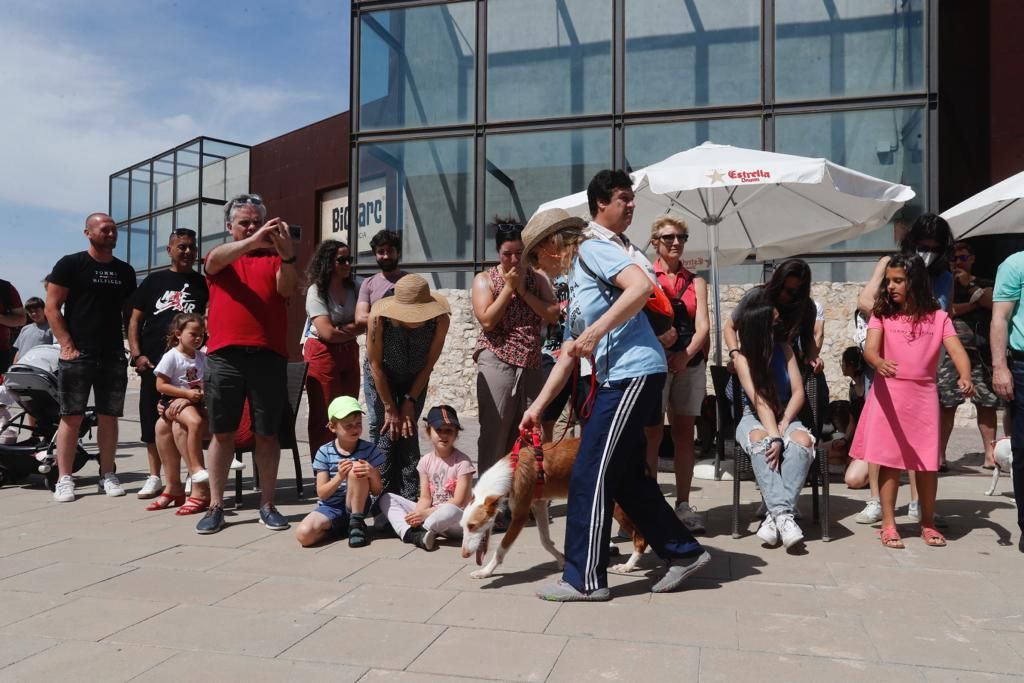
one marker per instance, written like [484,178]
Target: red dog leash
[530,439]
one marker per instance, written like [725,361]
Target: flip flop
[166,500]
[932,537]
[193,506]
[891,538]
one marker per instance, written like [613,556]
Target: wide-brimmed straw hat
[412,302]
[547,223]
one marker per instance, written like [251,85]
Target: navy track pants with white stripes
[610,467]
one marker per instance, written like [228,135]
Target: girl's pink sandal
[891,538]
[933,537]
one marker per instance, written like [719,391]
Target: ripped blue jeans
[779,488]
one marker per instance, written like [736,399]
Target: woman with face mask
[930,238]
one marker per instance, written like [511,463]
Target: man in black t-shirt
[94,288]
[161,296]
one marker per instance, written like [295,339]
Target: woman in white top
[330,347]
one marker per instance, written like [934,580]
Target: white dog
[1004,460]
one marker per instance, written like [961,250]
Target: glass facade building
[467,111]
[184,187]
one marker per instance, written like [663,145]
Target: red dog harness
[530,439]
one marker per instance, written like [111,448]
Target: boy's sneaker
[151,488]
[200,476]
[689,517]
[358,534]
[768,532]
[272,519]
[110,485]
[871,514]
[789,531]
[237,464]
[64,492]
[421,538]
[212,521]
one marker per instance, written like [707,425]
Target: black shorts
[237,373]
[148,398]
[105,376]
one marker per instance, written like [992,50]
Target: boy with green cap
[347,471]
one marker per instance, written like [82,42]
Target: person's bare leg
[653,434]
[987,429]
[873,480]
[170,457]
[888,486]
[913,486]
[195,430]
[67,443]
[927,487]
[106,439]
[858,475]
[947,418]
[267,453]
[682,441]
[222,449]
[153,456]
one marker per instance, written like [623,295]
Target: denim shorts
[106,376]
[234,374]
[338,517]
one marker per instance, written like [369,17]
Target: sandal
[193,505]
[166,500]
[933,537]
[358,534]
[891,538]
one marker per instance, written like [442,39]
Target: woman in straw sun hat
[607,291]
[406,332]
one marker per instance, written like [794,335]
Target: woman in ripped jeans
[779,446]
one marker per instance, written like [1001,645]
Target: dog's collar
[530,439]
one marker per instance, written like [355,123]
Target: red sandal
[193,505]
[891,538]
[932,537]
[166,500]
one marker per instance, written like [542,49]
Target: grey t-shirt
[339,313]
[33,335]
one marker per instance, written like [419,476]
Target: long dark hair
[321,266]
[930,226]
[756,328]
[920,301]
[798,315]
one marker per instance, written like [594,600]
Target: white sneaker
[689,517]
[65,490]
[110,485]
[768,532]
[200,476]
[188,485]
[790,531]
[151,488]
[914,515]
[237,464]
[871,513]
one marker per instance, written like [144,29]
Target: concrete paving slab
[612,660]
[86,662]
[492,610]
[298,562]
[192,558]
[16,648]
[833,637]
[395,603]
[392,676]
[286,593]
[501,655]
[728,666]
[179,585]
[664,623]
[251,669]
[87,618]
[61,577]
[97,551]
[366,642]
[952,676]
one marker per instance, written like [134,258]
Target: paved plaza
[101,590]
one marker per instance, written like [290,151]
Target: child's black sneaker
[421,538]
[358,534]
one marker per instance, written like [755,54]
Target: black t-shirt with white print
[95,305]
[161,296]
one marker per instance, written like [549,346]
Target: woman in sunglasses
[330,335]
[685,383]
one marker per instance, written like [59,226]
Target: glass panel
[692,54]
[121,248]
[138,246]
[213,230]
[140,190]
[885,143]
[119,197]
[225,169]
[187,217]
[649,143]
[524,170]
[417,66]
[547,59]
[222,149]
[163,183]
[236,174]
[214,177]
[848,47]
[424,190]
[188,173]
[161,234]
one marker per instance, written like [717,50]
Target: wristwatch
[289,260]
[408,397]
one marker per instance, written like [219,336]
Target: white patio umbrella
[995,211]
[757,203]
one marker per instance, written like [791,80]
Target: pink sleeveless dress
[899,426]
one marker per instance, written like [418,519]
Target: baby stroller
[32,385]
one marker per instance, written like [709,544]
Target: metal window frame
[766,110]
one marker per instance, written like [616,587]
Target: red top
[671,283]
[516,338]
[245,308]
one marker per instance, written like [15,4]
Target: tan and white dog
[1004,460]
[519,486]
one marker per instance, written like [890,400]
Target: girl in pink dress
[899,428]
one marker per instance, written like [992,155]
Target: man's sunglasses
[253,199]
[183,232]
[669,239]
[508,227]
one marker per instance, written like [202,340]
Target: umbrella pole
[711,223]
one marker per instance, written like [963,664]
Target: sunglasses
[508,227]
[183,232]
[253,199]
[669,239]
[343,260]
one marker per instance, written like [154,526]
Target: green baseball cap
[342,407]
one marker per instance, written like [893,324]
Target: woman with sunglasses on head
[511,301]
[686,382]
[330,334]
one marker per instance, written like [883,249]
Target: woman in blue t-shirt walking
[607,291]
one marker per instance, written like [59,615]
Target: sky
[88,88]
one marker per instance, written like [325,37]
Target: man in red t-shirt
[250,280]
